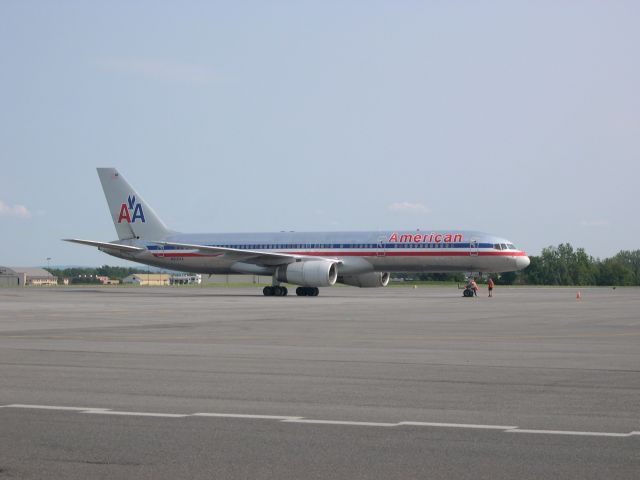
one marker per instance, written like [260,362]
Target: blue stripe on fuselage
[332,246]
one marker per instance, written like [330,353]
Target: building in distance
[25,276]
[147,279]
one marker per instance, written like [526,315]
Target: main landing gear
[307,291]
[278,291]
[275,291]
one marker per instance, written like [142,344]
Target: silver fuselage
[357,252]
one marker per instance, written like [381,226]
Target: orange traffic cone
[578,296]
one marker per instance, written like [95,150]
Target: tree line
[87,275]
[564,265]
[561,265]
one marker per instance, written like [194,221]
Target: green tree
[631,259]
[612,271]
[505,278]
[533,274]
[584,268]
[118,272]
[561,265]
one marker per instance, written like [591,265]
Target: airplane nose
[522,262]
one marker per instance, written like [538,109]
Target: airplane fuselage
[357,252]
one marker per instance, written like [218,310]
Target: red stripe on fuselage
[170,255]
[388,253]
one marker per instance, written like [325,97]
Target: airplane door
[473,248]
[381,251]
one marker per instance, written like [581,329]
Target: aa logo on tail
[131,211]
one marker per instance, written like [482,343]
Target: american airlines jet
[307,259]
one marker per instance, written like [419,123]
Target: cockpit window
[504,246]
[511,246]
[497,246]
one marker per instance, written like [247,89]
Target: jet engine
[312,273]
[366,280]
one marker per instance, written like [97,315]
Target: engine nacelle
[312,273]
[366,280]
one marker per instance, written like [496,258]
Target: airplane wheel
[268,291]
[284,291]
[307,291]
[277,291]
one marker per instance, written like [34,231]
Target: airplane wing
[107,245]
[249,256]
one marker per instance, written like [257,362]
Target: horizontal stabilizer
[107,245]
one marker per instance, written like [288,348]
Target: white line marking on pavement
[137,414]
[342,422]
[457,425]
[292,419]
[569,432]
[240,415]
[55,407]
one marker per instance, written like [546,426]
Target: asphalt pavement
[192,382]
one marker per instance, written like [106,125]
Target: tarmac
[188,382]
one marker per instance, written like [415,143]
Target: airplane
[307,259]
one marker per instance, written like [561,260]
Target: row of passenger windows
[344,245]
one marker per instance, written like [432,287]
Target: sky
[520,119]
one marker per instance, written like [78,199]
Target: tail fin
[132,216]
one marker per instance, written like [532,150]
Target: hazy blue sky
[516,118]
